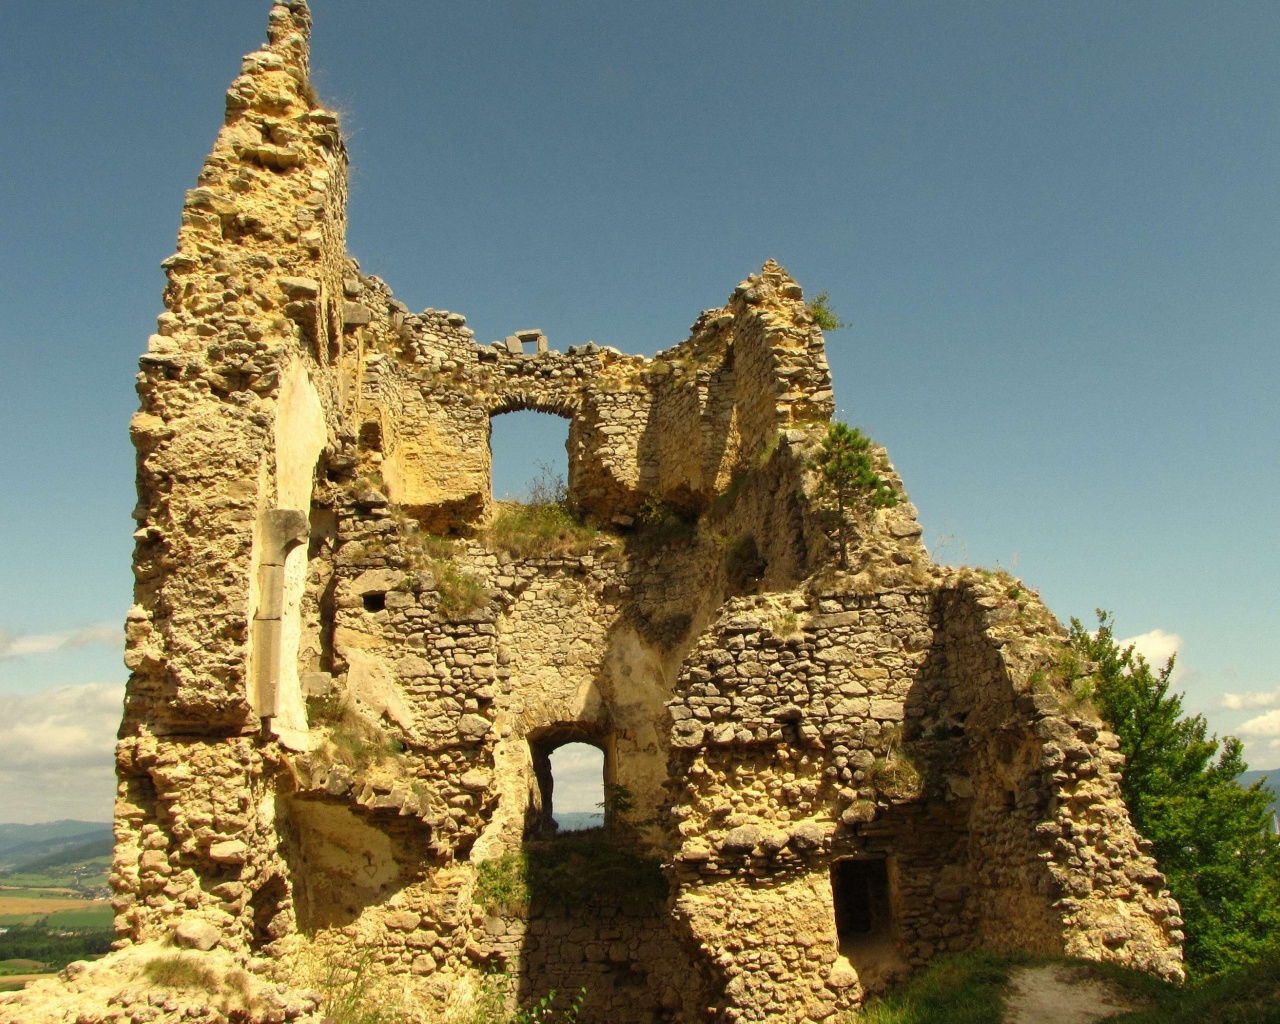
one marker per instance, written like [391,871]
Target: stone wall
[345,689]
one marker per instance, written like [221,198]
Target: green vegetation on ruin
[352,739]
[819,308]
[544,523]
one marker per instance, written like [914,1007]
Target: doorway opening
[860,892]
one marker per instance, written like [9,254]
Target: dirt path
[1056,994]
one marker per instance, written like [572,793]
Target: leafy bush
[819,308]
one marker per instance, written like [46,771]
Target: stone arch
[557,404]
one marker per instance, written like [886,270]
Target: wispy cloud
[1251,699]
[12,646]
[56,753]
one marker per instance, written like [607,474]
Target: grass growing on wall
[540,531]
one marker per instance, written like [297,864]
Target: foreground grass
[966,989]
[969,989]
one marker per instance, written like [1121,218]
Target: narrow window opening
[860,891]
[375,601]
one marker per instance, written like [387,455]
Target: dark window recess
[375,602]
[860,889]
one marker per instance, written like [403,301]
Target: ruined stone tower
[344,691]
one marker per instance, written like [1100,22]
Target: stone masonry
[343,693]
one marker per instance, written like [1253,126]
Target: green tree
[847,478]
[1211,837]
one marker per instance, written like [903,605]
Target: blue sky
[1052,227]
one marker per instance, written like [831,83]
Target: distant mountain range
[51,844]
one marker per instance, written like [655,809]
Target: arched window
[530,455]
[571,769]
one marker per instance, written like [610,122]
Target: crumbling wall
[236,408]
[901,726]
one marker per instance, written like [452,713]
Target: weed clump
[352,739]
[539,531]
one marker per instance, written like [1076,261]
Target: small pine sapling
[847,478]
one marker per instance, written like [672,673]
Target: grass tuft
[176,970]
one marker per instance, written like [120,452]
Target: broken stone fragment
[474,727]
[232,851]
[859,813]
[355,315]
[808,836]
[196,933]
[842,974]
[403,920]
[475,781]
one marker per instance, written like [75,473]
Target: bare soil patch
[1059,994]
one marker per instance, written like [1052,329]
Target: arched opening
[577,771]
[530,456]
[572,769]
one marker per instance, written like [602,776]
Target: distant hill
[52,843]
[1272,777]
[574,821]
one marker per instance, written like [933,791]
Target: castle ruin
[344,695]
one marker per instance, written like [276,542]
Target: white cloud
[1262,726]
[1251,699]
[578,771]
[45,643]
[57,753]
[1156,646]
